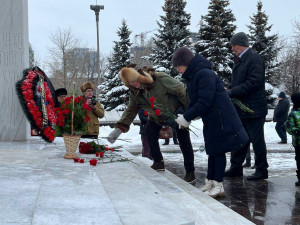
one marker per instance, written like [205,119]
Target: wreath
[37,98]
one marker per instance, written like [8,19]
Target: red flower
[157,112]
[93,162]
[77,100]
[97,154]
[76,160]
[146,113]
[81,160]
[152,105]
[101,154]
[152,99]
[87,119]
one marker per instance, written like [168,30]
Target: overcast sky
[47,16]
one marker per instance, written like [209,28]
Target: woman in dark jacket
[223,131]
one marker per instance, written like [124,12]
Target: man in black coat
[280,116]
[248,86]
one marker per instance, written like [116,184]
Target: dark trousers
[146,149]
[216,167]
[297,158]
[281,131]
[255,130]
[152,131]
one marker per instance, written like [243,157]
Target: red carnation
[76,160]
[152,105]
[93,162]
[81,160]
[101,154]
[146,113]
[87,119]
[157,112]
[152,99]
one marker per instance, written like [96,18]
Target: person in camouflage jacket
[293,128]
[162,97]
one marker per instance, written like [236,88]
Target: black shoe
[166,143]
[297,183]
[282,142]
[253,167]
[176,143]
[190,177]
[158,166]
[247,164]
[258,176]
[233,173]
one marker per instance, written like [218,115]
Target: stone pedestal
[14,57]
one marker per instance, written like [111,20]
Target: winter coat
[223,130]
[93,124]
[248,85]
[144,120]
[169,95]
[293,126]
[281,111]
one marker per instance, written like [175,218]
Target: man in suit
[248,86]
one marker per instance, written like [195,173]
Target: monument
[14,57]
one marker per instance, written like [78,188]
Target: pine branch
[242,106]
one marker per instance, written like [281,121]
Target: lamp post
[96,8]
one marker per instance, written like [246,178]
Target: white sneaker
[217,190]
[207,186]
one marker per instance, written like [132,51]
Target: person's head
[182,58]
[61,94]
[296,100]
[281,95]
[87,89]
[239,43]
[134,78]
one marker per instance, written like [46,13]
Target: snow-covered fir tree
[172,34]
[264,45]
[113,92]
[216,30]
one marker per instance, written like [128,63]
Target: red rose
[157,112]
[81,160]
[93,162]
[101,154]
[76,160]
[152,105]
[152,99]
[146,113]
[97,154]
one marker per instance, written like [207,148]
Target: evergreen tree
[216,30]
[264,45]
[172,34]
[113,92]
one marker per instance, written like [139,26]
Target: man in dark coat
[280,116]
[223,130]
[248,86]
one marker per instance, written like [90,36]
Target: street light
[96,8]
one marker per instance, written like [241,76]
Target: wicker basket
[71,143]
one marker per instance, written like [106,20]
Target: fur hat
[240,39]
[87,85]
[182,57]
[282,95]
[130,74]
[61,91]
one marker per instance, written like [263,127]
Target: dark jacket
[248,84]
[281,111]
[223,130]
[144,120]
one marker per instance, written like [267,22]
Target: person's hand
[113,136]
[182,121]
[89,103]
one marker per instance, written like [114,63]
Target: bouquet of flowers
[92,148]
[72,116]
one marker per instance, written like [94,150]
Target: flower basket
[71,143]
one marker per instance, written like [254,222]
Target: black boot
[258,175]
[233,173]
[190,177]
[158,166]
[167,141]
